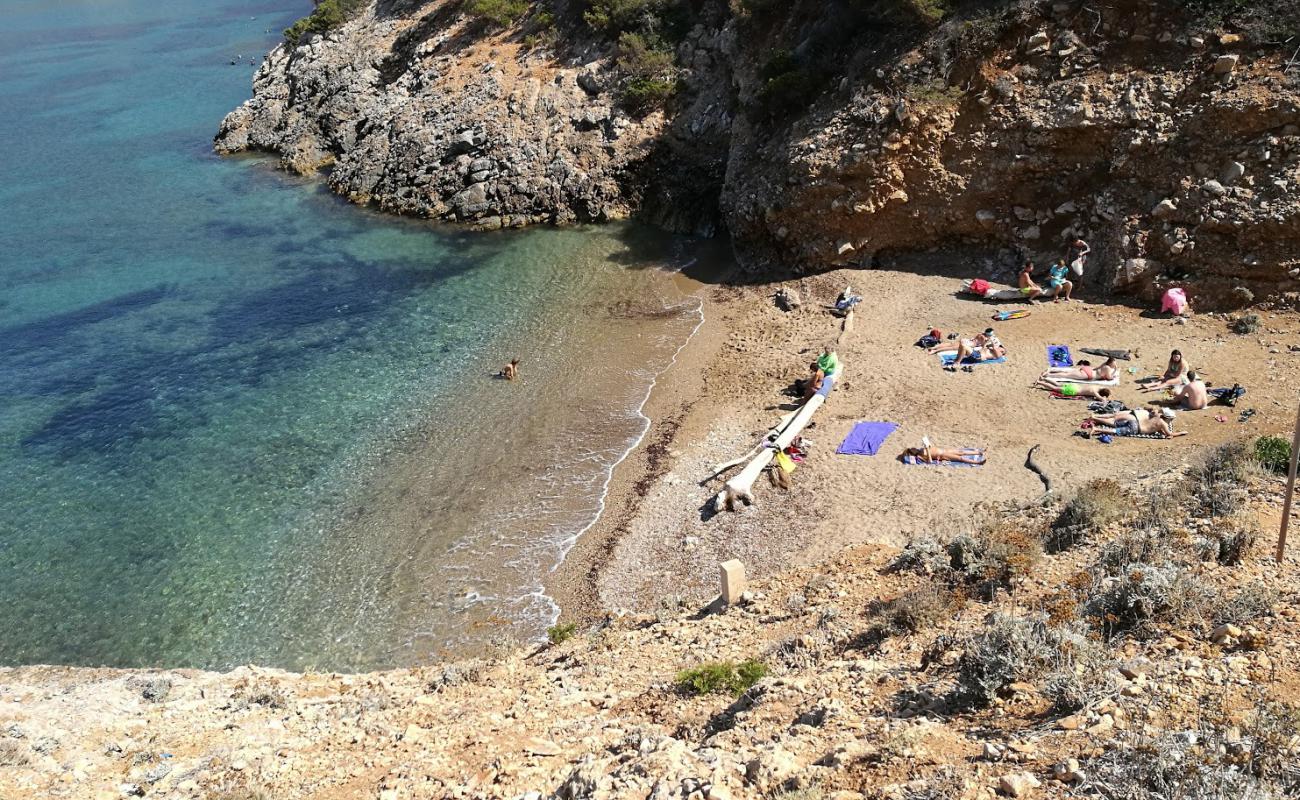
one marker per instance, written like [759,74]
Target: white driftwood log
[740,488]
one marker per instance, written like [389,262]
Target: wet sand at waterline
[658,542]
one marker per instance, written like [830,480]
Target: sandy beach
[658,542]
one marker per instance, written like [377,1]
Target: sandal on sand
[950,368]
[968,368]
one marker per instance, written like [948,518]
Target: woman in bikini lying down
[929,454]
[1083,371]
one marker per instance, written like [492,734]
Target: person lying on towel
[983,347]
[929,454]
[1083,371]
[1067,389]
[1139,421]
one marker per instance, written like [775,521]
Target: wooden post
[1290,490]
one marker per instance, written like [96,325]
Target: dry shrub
[1221,479]
[1248,604]
[1093,507]
[911,612]
[1229,542]
[1144,594]
[1070,668]
[1261,764]
[994,557]
[13,754]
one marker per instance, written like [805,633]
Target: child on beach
[510,371]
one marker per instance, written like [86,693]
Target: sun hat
[1167,413]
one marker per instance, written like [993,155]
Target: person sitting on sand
[929,454]
[829,361]
[1191,396]
[987,339]
[1083,371]
[1081,391]
[1175,374]
[1058,281]
[812,384]
[510,371]
[1138,421]
[1029,289]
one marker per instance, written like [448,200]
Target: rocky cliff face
[1162,137]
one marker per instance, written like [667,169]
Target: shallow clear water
[242,421]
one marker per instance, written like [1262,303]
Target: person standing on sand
[1079,251]
[510,371]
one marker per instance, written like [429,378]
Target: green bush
[787,85]
[661,20]
[502,13]
[328,15]
[721,677]
[651,76]
[559,634]
[1273,454]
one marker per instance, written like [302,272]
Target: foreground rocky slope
[1132,643]
[830,133]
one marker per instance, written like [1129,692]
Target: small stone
[1233,172]
[1225,64]
[1214,188]
[1165,208]
[541,747]
[1018,784]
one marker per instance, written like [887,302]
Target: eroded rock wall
[1171,145]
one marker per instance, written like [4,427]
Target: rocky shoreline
[1169,143]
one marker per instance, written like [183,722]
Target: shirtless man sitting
[1138,421]
[1029,289]
[1191,396]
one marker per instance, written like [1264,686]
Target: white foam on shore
[567,545]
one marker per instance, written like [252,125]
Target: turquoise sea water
[243,421]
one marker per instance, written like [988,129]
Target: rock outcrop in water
[833,133]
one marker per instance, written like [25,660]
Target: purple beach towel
[866,438]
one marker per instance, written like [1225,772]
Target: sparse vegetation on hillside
[1273,454]
[721,677]
[502,13]
[328,15]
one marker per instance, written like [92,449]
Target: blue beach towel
[866,438]
[1058,355]
[948,358]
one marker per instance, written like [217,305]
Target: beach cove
[244,421]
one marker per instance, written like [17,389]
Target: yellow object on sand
[785,463]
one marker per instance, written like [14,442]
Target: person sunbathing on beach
[1137,421]
[1028,288]
[1079,390]
[1175,374]
[510,371]
[1083,371]
[929,454]
[1191,396]
[982,347]
[1058,281]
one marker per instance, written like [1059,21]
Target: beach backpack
[1077,266]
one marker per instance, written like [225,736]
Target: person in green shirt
[829,361]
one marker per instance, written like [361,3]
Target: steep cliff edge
[822,133]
